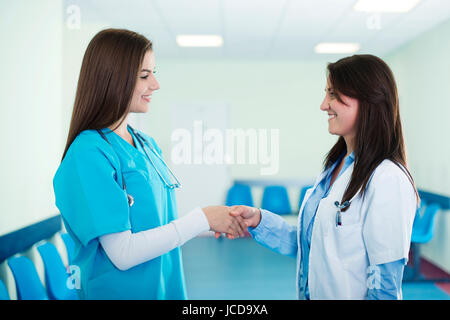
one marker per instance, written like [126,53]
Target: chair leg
[416,276]
[413,273]
[416,257]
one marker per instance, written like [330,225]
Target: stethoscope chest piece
[339,212]
[130,200]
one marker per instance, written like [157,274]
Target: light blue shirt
[89,194]
[274,233]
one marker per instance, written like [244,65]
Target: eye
[147,74]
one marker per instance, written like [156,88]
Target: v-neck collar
[136,143]
[137,147]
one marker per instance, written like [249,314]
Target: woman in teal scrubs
[113,189]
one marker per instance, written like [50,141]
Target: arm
[126,249]
[387,284]
[269,229]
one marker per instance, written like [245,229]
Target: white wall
[30,98]
[422,71]
[31,130]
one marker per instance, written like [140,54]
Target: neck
[122,129]
[349,141]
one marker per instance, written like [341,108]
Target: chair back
[239,194]
[70,246]
[56,275]
[423,227]
[276,200]
[4,295]
[28,284]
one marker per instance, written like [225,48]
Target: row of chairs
[28,283]
[274,199]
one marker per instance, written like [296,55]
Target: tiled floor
[242,269]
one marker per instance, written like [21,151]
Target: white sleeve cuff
[191,225]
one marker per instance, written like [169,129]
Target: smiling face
[342,112]
[146,84]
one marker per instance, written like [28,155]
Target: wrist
[207,213]
[258,218]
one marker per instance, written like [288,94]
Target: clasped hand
[233,220]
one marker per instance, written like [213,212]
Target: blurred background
[265,69]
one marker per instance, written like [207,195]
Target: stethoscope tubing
[141,140]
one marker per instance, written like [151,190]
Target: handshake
[233,221]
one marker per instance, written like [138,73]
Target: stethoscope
[342,206]
[141,141]
[339,212]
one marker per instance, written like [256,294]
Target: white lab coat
[375,229]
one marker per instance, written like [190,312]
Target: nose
[325,105]
[154,84]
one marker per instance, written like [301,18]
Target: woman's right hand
[251,215]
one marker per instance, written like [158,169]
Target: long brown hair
[378,127]
[107,79]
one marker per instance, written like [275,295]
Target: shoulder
[389,170]
[87,151]
[391,176]
[90,144]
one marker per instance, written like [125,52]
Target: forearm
[275,233]
[126,249]
[386,281]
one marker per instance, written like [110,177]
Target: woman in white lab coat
[354,227]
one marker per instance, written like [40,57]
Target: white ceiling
[263,29]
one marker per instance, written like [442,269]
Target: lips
[147,97]
[332,116]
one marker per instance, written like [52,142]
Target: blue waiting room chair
[56,275]
[422,232]
[70,246]
[28,284]
[276,200]
[4,295]
[239,194]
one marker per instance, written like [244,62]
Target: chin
[142,109]
[335,132]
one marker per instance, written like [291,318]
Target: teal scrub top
[89,194]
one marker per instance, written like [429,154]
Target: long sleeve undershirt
[126,249]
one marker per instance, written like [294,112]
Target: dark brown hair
[378,127]
[107,79]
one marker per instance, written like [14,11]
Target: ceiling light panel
[385,5]
[336,47]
